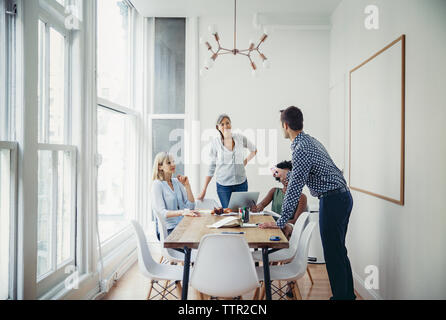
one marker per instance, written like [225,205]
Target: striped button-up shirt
[312,166]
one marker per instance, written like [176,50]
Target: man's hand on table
[287,230]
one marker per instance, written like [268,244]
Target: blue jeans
[225,192]
[334,214]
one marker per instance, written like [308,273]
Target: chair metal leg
[309,274]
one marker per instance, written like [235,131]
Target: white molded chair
[172,255]
[294,270]
[286,255]
[224,267]
[156,271]
[206,204]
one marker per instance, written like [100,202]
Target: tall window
[113,24]
[56,225]
[8,150]
[116,119]
[168,116]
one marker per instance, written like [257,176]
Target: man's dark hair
[284,165]
[293,117]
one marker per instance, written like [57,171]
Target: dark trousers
[225,192]
[334,214]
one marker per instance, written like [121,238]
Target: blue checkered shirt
[312,166]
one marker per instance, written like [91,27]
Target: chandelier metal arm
[246,52]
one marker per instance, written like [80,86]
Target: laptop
[243,199]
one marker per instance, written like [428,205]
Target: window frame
[52,14]
[191,102]
[13,180]
[130,63]
[55,24]
[114,242]
[8,92]
[8,21]
[111,243]
[56,274]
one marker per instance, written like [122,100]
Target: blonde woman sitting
[172,198]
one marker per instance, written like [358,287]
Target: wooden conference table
[189,231]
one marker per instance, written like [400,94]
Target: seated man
[276,195]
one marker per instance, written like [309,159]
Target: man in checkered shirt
[313,166]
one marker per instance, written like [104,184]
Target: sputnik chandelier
[222,51]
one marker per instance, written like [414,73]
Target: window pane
[114,172]
[41,94]
[65,211]
[3,77]
[170,60]
[7,73]
[52,86]
[5,209]
[56,213]
[57,87]
[45,208]
[113,47]
[168,136]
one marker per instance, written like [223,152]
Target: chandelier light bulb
[213,29]
[251,44]
[209,63]
[266,64]
[254,48]
[208,45]
[254,73]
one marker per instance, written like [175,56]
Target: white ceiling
[176,8]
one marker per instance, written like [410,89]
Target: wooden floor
[134,286]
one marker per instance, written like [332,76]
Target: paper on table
[251,214]
[227,222]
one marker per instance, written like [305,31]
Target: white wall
[405,243]
[298,76]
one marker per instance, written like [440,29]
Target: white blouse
[228,165]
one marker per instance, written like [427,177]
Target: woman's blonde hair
[159,160]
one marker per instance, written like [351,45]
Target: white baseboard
[108,283]
[366,294]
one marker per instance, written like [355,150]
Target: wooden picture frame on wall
[356,186]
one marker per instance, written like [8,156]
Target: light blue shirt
[165,199]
